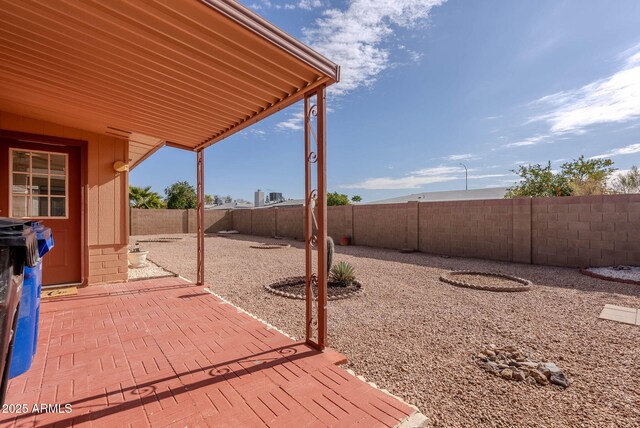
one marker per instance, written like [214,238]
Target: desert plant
[343,273]
[579,177]
[330,249]
[136,248]
[628,182]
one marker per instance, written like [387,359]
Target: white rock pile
[512,364]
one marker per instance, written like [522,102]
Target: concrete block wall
[290,222]
[568,231]
[151,222]
[380,225]
[242,221]
[586,231]
[481,229]
[340,221]
[263,222]
[159,222]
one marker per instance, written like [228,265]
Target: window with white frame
[38,184]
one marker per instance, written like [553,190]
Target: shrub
[343,273]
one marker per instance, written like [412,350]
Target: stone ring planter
[161,239]
[519,284]
[291,284]
[270,246]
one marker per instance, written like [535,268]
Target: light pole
[466,177]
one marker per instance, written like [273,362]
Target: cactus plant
[330,250]
[343,273]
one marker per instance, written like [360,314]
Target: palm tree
[143,197]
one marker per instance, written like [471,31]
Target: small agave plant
[343,274]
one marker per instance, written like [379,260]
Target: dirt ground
[414,335]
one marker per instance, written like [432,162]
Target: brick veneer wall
[568,231]
[107,263]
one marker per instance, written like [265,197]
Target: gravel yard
[415,335]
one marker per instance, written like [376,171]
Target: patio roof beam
[262,114]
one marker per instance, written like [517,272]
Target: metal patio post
[308,221]
[200,215]
[315,199]
[322,218]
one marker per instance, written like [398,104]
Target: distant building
[275,197]
[452,195]
[286,204]
[239,204]
[258,199]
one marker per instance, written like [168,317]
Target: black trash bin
[18,248]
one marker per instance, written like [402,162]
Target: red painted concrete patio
[166,352]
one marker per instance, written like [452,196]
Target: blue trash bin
[26,340]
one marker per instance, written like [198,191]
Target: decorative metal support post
[308,221]
[316,198]
[200,215]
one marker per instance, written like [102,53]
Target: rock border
[587,272]
[272,288]
[270,246]
[525,284]
[161,239]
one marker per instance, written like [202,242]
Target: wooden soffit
[184,73]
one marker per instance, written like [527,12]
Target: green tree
[336,198]
[143,197]
[579,177]
[228,199]
[628,182]
[209,200]
[587,177]
[356,198]
[181,195]
[538,181]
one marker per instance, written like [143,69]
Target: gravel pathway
[150,270]
[415,335]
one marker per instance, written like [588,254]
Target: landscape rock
[560,379]
[512,364]
[506,374]
[539,377]
[519,375]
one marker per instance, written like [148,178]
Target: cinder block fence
[568,231]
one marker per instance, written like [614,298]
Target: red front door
[42,182]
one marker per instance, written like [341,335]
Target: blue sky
[427,84]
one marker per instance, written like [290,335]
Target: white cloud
[294,122]
[358,38]
[355,37]
[309,4]
[414,180]
[418,179]
[614,99]
[479,176]
[627,150]
[466,156]
[532,141]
